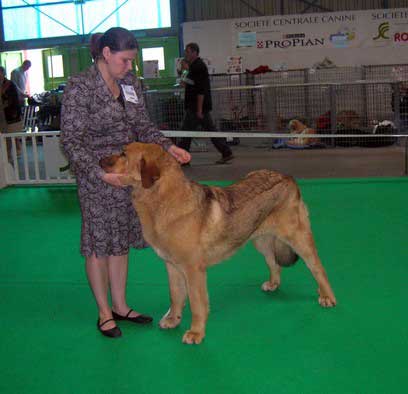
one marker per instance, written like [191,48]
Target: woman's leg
[97,272]
[118,272]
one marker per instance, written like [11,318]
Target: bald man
[19,77]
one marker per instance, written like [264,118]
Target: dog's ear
[149,172]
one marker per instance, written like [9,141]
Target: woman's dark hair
[94,45]
[116,39]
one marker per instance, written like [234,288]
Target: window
[154,54]
[55,66]
[31,19]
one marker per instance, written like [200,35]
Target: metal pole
[270,109]
[333,111]
[396,104]
[307,96]
[365,102]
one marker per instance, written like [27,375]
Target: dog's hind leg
[198,296]
[178,295]
[303,243]
[264,244]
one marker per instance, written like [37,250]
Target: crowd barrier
[40,160]
[344,114]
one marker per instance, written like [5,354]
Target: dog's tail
[285,256]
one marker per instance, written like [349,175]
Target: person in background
[12,109]
[10,99]
[403,106]
[198,104]
[182,72]
[3,122]
[103,110]
[19,77]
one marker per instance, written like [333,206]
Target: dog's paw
[192,337]
[169,321]
[270,286]
[326,301]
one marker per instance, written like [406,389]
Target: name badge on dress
[130,94]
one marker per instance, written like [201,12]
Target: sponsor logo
[342,38]
[401,37]
[285,43]
[295,35]
[382,31]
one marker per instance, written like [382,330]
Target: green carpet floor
[281,342]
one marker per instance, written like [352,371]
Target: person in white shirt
[19,77]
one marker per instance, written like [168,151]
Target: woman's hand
[181,155]
[113,179]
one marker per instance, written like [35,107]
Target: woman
[103,110]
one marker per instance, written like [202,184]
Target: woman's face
[119,63]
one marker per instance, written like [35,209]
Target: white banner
[350,29]
[347,38]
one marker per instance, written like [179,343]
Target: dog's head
[296,125]
[138,163]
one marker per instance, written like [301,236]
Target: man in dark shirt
[403,106]
[198,104]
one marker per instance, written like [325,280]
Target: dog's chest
[162,253]
[156,242]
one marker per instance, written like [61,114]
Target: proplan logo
[290,41]
[382,31]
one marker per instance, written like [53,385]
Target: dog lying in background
[297,127]
[193,226]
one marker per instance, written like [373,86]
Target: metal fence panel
[271,107]
[397,72]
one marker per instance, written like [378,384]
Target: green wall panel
[77,59]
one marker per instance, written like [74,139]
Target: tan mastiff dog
[193,226]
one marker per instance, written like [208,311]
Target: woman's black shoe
[111,332]
[140,319]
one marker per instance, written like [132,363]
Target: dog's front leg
[178,294]
[198,296]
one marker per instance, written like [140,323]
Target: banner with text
[351,29]
[347,38]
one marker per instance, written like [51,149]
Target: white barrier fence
[37,159]
[33,158]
